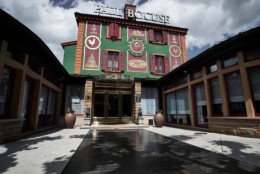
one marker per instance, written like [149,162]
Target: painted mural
[136,54]
[175,50]
[92,42]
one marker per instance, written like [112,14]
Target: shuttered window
[151,36]
[112,61]
[113,31]
[160,37]
[159,64]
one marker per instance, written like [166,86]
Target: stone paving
[50,152]
[142,151]
[241,148]
[46,152]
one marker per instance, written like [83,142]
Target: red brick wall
[249,127]
[10,129]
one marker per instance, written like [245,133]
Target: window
[171,108]
[181,80]
[200,105]
[113,61]
[197,75]
[114,31]
[235,94]
[14,52]
[160,37]
[230,62]
[212,68]
[47,105]
[254,74]
[6,89]
[149,100]
[252,55]
[75,98]
[182,101]
[215,97]
[159,64]
[27,104]
[178,110]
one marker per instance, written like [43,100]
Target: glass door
[112,108]
[99,105]
[126,105]
[112,105]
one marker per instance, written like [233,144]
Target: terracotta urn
[70,119]
[158,119]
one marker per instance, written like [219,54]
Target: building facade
[119,65]
[219,89]
[31,86]
[116,63]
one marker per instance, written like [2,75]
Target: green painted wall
[69,58]
[69,55]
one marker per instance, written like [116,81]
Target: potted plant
[158,118]
[70,118]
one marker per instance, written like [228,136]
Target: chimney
[129,12]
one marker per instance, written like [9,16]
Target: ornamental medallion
[136,46]
[92,42]
[175,50]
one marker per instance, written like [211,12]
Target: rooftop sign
[117,12]
[108,10]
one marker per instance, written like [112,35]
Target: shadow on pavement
[141,151]
[8,156]
[236,150]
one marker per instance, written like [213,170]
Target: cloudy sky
[208,21]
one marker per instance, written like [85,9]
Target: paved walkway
[145,152]
[49,152]
[240,148]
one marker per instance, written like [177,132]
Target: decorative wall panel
[92,43]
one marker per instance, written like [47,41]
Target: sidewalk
[240,148]
[50,151]
[46,152]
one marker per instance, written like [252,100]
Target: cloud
[53,24]
[208,21]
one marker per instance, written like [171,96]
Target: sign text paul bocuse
[113,11]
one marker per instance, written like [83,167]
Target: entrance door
[112,105]
[112,108]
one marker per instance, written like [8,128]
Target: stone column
[137,100]
[88,96]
